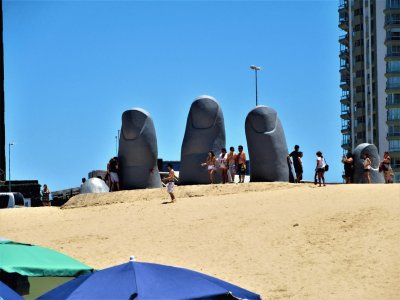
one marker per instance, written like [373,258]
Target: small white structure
[94,185]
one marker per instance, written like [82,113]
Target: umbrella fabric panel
[7,293]
[164,282]
[144,281]
[32,260]
[238,292]
[112,283]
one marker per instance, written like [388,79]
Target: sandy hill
[280,240]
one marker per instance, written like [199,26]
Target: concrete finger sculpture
[358,156]
[94,185]
[266,145]
[137,154]
[205,131]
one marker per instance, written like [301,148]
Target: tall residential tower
[370,75]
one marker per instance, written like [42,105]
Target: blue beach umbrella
[7,293]
[137,280]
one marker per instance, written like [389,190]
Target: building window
[393,99]
[392,3]
[393,83]
[393,114]
[394,145]
[393,66]
[393,130]
[394,50]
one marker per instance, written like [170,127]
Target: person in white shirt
[223,165]
[320,168]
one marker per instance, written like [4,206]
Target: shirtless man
[232,163]
[241,164]
[170,182]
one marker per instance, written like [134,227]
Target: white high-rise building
[370,75]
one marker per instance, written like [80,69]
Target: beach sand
[276,239]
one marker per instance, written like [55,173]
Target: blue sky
[73,67]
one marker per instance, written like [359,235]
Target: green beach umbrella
[31,260]
[33,270]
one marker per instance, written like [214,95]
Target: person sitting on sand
[211,163]
[170,182]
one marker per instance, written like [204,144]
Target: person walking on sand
[223,165]
[211,163]
[367,168]
[232,163]
[348,162]
[320,168]
[46,196]
[170,182]
[241,164]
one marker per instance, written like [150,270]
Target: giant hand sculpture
[137,153]
[358,156]
[205,131]
[266,145]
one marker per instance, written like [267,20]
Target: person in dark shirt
[298,168]
[113,164]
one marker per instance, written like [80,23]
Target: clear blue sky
[72,68]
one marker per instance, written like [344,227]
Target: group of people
[384,166]
[296,159]
[229,164]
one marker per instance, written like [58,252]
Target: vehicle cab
[10,200]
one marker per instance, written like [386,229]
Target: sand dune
[280,240]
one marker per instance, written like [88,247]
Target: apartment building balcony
[343,23]
[392,38]
[392,6]
[345,115]
[346,129]
[391,22]
[344,71]
[345,85]
[392,73]
[393,136]
[344,39]
[392,56]
[392,88]
[345,99]
[344,54]
[392,122]
[392,102]
[346,145]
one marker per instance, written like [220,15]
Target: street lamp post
[255,68]
[9,166]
